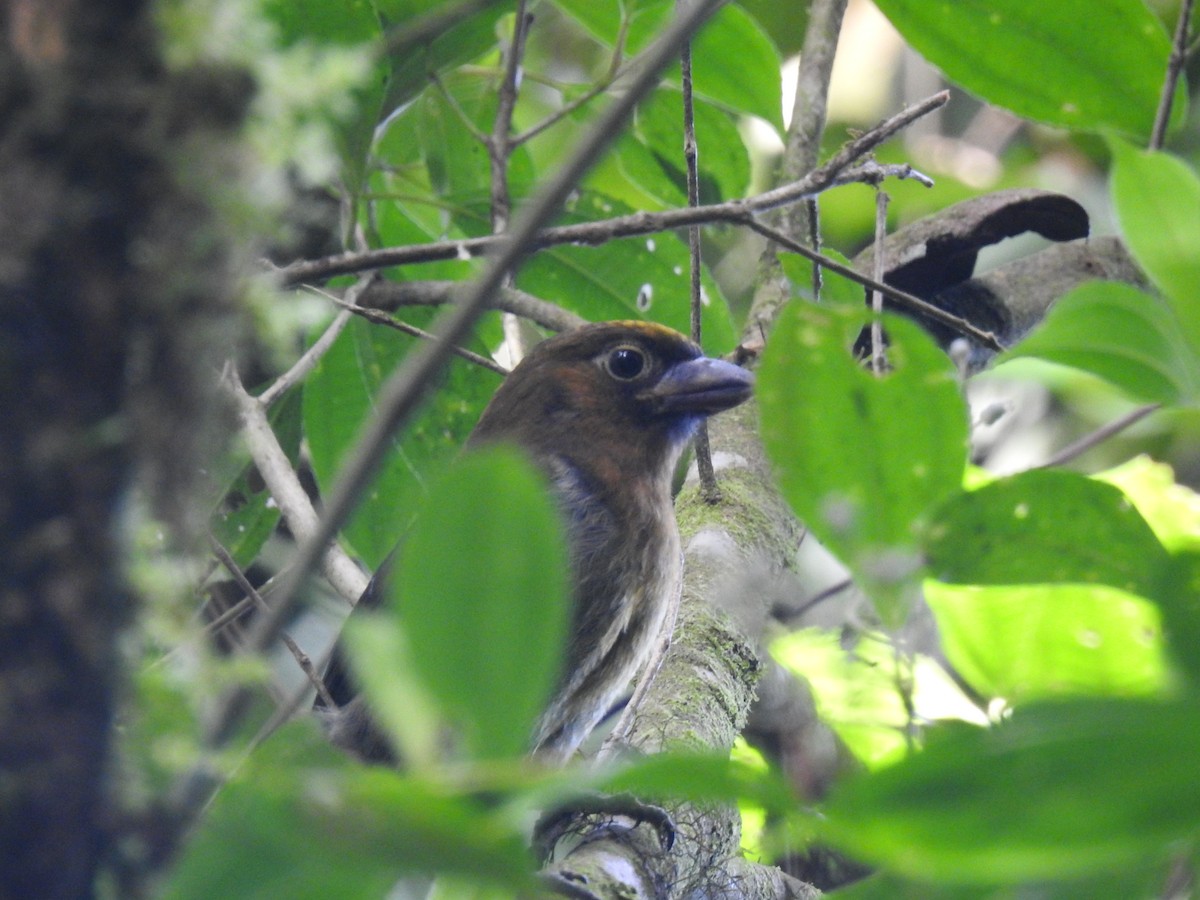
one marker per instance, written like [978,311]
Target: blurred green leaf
[382,663]
[1157,199]
[1082,64]
[1038,641]
[1127,337]
[1045,526]
[702,779]
[486,614]
[1061,790]
[308,823]
[631,278]
[1179,599]
[339,395]
[1136,882]
[644,19]
[862,459]
[1171,509]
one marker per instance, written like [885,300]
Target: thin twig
[792,615]
[390,295]
[256,598]
[404,390]
[1100,435]
[911,301]
[378,317]
[342,573]
[1175,64]
[704,466]
[614,69]
[814,241]
[309,359]
[877,358]
[832,174]
[499,144]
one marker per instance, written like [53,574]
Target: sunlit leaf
[1037,641]
[311,824]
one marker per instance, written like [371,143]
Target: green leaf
[1179,600]
[1033,642]
[631,278]
[652,154]
[862,459]
[339,395]
[487,630]
[319,826]
[752,86]
[1059,791]
[702,779]
[836,290]
[410,66]
[1130,339]
[644,18]
[1171,509]
[1083,64]
[1045,526]
[1157,198]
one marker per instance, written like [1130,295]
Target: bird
[605,412]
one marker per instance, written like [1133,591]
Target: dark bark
[105,310]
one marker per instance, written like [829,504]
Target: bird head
[617,399]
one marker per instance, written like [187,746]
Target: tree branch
[1175,64]
[832,174]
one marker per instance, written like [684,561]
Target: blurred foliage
[1068,604]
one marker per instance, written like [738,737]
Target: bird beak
[700,385]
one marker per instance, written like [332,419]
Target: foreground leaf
[483,587]
[1062,790]
[862,459]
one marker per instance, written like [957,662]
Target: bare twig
[877,359]
[256,598]
[1175,64]
[381,318]
[276,469]
[429,26]
[402,393]
[614,69]
[309,359]
[789,616]
[1100,435]
[833,173]
[704,466]
[390,295]
[911,301]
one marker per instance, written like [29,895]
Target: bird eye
[626,363]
